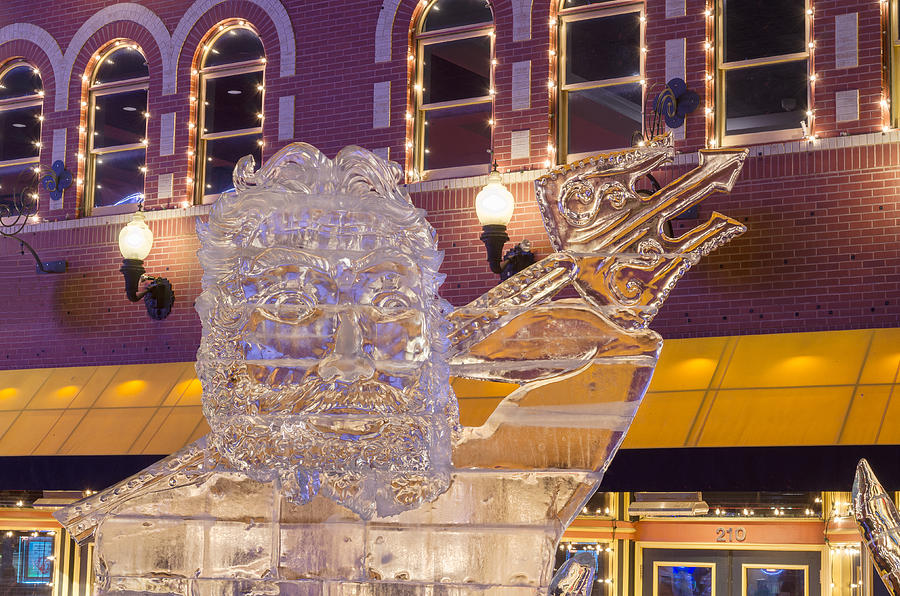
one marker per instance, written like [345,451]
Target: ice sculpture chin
[336,463]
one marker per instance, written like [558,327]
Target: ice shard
[879,525]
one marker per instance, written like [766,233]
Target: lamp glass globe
[136,239]
[494,204]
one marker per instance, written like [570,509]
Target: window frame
[92,154]
[587,13]
[420,41]
[720,68]
[207,73]
[892,63]
[17,103]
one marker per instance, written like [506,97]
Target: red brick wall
[821,252]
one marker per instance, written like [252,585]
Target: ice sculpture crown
[322,357]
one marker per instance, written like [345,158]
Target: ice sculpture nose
[348,361]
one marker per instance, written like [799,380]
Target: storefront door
[709,572]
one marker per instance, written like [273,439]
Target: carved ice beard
[281,423]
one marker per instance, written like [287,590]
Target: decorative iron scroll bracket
[14,217]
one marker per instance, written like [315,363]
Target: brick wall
[821,252]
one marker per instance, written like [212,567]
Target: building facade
[154,102]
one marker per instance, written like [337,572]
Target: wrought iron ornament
[671,106]
[57,180]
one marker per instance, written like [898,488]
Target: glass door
[709,572]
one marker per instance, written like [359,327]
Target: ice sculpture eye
[391,301]
[289,307]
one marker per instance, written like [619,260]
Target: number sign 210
[731,534]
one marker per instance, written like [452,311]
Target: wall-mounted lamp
[494,206]
[135,242]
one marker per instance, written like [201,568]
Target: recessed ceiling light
[234,92]
[18,125]
[130,109]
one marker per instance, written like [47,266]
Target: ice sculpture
[879,525]
[575,577]
[336,464]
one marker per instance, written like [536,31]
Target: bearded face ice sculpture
[322,358]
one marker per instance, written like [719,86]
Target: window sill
[113,210]
[761,138]
[458,172]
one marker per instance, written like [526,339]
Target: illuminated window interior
[21,96]
[600,76]
[763,77]
[230,113]
[117,129]
[453,86]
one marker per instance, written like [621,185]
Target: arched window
[453,90]
[230,113]
[601,65]
[117,130]
[21,94]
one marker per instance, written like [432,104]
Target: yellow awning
[823,388]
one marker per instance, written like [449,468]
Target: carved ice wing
[627,264]
[879,525]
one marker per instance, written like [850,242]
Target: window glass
[459,136]
[121,65]
[601,97]
[232,86]
[604,117]
[575,3]
[16,184]
[117,129]
[235,45]
[20,81]
[765,98]
[760,28]
[684,580]
[20,133]
[118,179]
[604,48]
[774,581]
[120,118]
[221,156]
[232,102]
[456,69]
[445,14]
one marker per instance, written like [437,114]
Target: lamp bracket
[158,296]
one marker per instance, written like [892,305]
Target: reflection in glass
[15,184]
[235,45]
[445,14]
[118,178]
[763,98]
[119,118]
[20,131]
[459,136]
[121,65]
[775,582]
[603,118]
[20,81]
[608,47]
[760,28]
[456,69]
[677,580]
[232,102]
[221,155]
